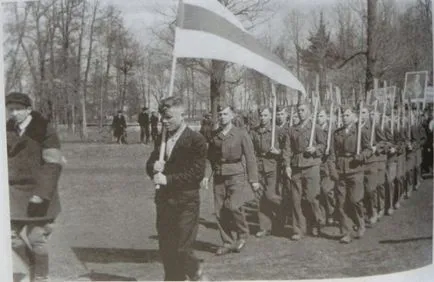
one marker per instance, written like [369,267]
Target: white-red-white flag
[208,30]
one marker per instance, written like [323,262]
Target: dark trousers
[144,132]
[35,257]
[350,195]
[177,226]
[328,198]
[391,186]
[370,182]
[381,187]
[269,205]
[229,197]
[305,188]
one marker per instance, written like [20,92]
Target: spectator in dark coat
[34,163]
[154,126]
[119,126]
[206,127]
[144,125]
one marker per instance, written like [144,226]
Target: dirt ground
[106,231]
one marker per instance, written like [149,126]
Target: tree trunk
[372,15]
[217,86]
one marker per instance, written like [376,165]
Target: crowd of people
[148,122]
[347,169]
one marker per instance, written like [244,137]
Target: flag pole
[329,133]
[359,129]
[312,131]
[374,122]
[171,86]
[291,114]
[273,125]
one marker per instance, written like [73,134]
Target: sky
[140,15]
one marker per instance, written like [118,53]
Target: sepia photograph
[217,140]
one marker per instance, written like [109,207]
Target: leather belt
[225,161]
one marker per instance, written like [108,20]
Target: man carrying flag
[178,200]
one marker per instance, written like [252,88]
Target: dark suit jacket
[185,167]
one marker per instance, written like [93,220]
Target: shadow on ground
[405,240]
[112,255]
[198,245]
[96,276]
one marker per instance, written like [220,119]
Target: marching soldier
[372,163]
[268,157]
[282,127]
[349,164]
[302,163]
[421,138]
[381,148]
[328,172]
[401,166]
[412,137]
[227,149]
[391,164]
[34,163]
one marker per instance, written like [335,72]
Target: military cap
[170,102]
[370,108]
[19,98]
[352,108]
[263,108]
[280,108]
[120,112]
[321,108]
[224,106]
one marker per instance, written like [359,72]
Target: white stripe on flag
[198,44]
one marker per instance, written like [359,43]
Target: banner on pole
[208,30]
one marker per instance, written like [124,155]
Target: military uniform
[401,166]
[34,167]
[382,147]
[372,172]
[391,169]
[328,176]
[420,139]
[350,190]
[233,161]
[305,181]
[269,204]
[284,184]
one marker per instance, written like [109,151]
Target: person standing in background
[144,125]
[119,127]
[154,126]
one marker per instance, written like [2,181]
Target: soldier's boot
[380,214]
[360,232]
[374,218]
[346,239]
